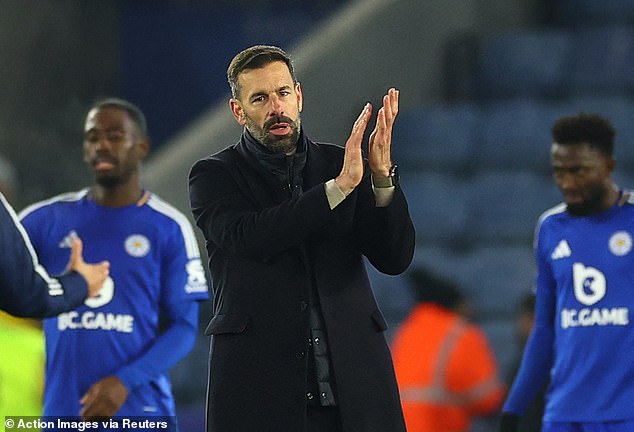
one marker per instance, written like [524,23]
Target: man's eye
[92,137]
[115,137]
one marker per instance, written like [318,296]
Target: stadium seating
[504,206]
[495,278]
[584,13]
[393,295]
[502,336]
[478,169]
[438,137]
[438,207]
[603,61]
[530,63]
[516,134]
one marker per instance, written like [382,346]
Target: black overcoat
[265,249]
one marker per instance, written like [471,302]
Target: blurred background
[481,81]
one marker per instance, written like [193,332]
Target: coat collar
[273,169]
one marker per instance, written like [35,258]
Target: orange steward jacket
[445,370]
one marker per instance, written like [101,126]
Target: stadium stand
[525,63]
[585,13]
[513,133]
[477,169]
[437,138]
[602,61]
[438,207]
[504,206]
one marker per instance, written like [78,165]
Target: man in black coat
[298,341]
[26,289]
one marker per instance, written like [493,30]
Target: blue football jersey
[154,267]
[586,265]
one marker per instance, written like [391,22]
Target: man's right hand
[103,399]
[352,170]
[95,274]
[509,422]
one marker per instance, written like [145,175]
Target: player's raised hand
[352,170]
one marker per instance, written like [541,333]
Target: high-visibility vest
[21,368]
[446,371]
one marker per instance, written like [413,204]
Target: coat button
[310,396]
[301,354]
[303,306]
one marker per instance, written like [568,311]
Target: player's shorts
[615,426]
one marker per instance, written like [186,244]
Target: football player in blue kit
[110,356]
[583,334]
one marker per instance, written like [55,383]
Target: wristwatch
[393,176]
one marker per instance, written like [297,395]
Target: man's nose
[567,181]
[277,107]
[102,143]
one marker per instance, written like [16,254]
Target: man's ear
[610,164]
[143,147]
[300,96]
[237,111]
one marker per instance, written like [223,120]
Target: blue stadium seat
[442,260]
[529,63]
[438,206]
[504,205]
[436,137]
[495,278]
[393,295]
[578,13]
[502,336]
[516,134]
[603,60]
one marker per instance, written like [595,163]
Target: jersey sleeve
[538,355]
[182,273]
[183,282]
[168,349]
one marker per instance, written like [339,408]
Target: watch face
[394,174]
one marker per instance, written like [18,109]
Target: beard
[110,180]
[275,143]
[591,205]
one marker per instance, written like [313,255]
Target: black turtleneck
[288,169]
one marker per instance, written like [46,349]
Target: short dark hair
[429,287]
[585,128]
[136,115]
[256,57]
